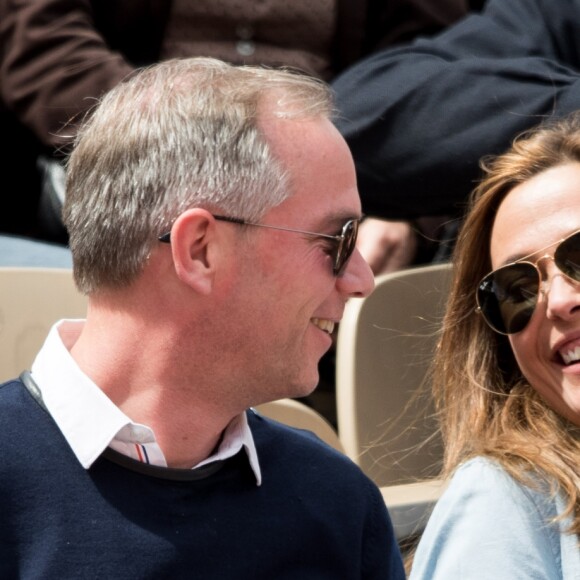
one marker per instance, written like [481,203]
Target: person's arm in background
[419,118]
[396,22]
[391,245]
[53,54]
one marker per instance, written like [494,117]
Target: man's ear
[193,237]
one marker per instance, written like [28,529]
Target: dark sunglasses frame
[490,306]
[345,241]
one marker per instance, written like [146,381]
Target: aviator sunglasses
[344,243]
[507,297]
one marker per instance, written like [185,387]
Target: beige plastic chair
[297,414]
[384,344]
[31,300]
[409,506]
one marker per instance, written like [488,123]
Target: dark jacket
[419,118]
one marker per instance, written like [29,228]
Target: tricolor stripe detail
[142,453]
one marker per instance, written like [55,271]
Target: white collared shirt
[91,422]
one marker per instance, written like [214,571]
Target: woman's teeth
[571,356]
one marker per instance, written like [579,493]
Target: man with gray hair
[212,212]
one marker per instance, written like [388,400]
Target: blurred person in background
[58,56]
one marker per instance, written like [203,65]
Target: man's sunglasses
[344,242]
[507,297]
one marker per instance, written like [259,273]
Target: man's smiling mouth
[324,324]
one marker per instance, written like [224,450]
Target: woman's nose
[562,294]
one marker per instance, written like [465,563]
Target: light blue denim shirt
[486,526]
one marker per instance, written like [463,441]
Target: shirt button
[245,47]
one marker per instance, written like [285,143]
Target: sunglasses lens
[507,297]
[346,245]
[567,257]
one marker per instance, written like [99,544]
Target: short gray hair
[179,134]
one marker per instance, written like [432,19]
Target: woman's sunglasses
[507,297]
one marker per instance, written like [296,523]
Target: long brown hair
[485,405]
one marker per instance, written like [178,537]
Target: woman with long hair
[506,375]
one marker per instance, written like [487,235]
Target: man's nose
[357,279]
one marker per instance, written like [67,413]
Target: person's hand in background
[387,245]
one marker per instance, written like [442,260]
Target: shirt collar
[90,421]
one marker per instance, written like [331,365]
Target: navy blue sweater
[316,515]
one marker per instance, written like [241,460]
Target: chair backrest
[384,344]
[31,300]
[410,506]
[299,415]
